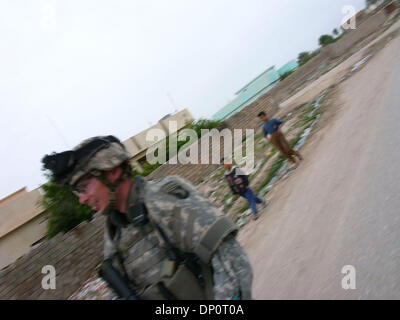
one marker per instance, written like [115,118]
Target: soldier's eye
[81,189]
[82,185]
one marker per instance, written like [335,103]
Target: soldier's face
[93,193]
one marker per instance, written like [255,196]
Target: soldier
[162,239]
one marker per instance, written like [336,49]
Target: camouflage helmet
[93,155]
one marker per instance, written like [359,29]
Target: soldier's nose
[83,198]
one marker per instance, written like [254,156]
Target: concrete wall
[74,256]
[19,241]
[363,30]
[17,209]
[21,224]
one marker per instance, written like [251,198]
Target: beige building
[138,144]
[22,225]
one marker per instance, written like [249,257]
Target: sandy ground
[341,206]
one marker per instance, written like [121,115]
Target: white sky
[73,69]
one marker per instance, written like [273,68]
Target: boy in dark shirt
[272,127]
[239,184]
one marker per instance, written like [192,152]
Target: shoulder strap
[140,183]
[213,238]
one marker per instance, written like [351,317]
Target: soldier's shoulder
[170,180]
[172,185]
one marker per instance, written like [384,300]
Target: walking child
[239,184]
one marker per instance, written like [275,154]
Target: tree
[325,39]
[303,57]
[335,32]
[64,208]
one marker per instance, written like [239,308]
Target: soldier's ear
[114,174]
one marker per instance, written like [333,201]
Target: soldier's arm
[233,273]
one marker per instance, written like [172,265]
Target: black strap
[132,283]
[113,278]
[165,292]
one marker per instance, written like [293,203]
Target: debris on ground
[94,289]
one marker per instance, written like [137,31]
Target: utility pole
[172,102]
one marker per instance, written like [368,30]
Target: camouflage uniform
[188,220]
[232,272]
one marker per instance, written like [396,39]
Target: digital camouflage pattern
[185,220]
[233,274]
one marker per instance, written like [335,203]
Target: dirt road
[342,205]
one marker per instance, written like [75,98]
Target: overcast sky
[75,69]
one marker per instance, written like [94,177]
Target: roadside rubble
[94,289]
[360,63]
[244,218]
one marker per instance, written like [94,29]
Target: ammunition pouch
[182,285]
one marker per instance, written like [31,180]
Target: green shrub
[65,211]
